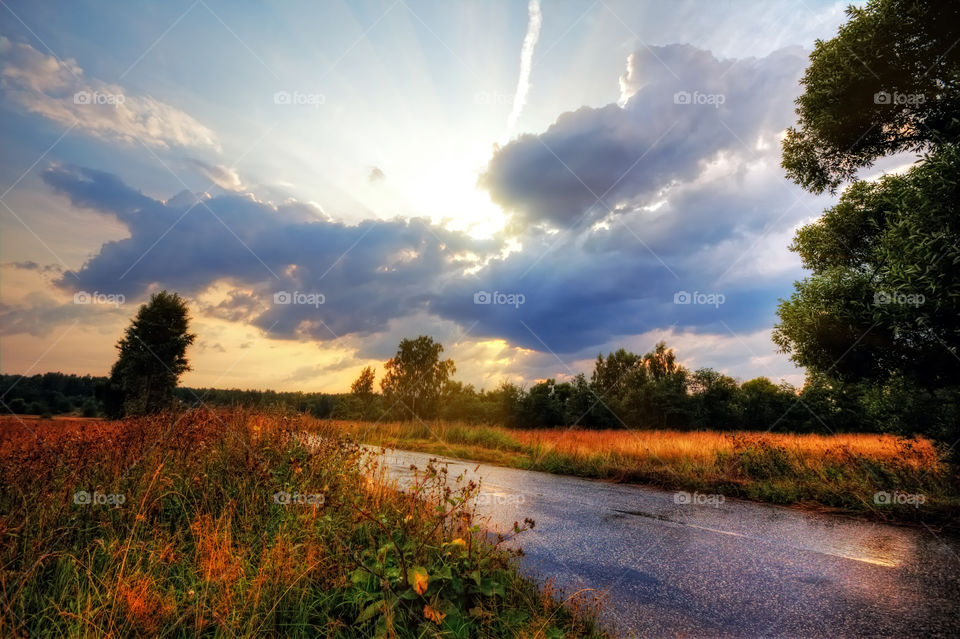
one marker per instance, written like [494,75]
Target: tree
[767,406]
[611,376]
[621,374]
[541,407]
[507,399]
[581,405]
[363,385]
[460,402]
[717,401]
[888,82]
[663,401]
[362,391]
[415,377]
[883,297]
[152,355]
[881,308]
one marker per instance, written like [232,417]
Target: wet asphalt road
[709,569]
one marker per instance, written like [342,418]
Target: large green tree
[415,377]
[888,82]
[152,356]
[884,295]
[882,303]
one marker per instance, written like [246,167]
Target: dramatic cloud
[355,278]
[57,90]
[682,107]
[675,251]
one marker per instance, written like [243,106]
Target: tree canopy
[888,82]
[415,376]
[879,316]
[152,356]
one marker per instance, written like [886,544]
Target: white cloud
[226,177]
[57,90]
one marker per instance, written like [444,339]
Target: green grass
[200,546]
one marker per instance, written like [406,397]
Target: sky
[529,183]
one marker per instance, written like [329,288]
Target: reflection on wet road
[707,567]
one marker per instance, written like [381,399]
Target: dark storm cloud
[575,297]
[682,107]
[365,274]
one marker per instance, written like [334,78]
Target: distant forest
[67,394]
[624,390]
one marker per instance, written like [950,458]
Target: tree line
[624,390]
[628,390]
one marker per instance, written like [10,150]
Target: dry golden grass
[200,546]
[704,446]
[838,471]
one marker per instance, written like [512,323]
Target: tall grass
[842,472]
[231,526]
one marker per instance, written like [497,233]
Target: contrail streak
[526,60]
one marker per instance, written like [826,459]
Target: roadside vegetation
[224,524]
[832,472]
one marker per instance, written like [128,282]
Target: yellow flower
[458,542]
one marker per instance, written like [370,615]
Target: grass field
[843,472]
[224,524]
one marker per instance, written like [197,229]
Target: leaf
[359,576]
[370,611]
[419,579]
[433,615]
